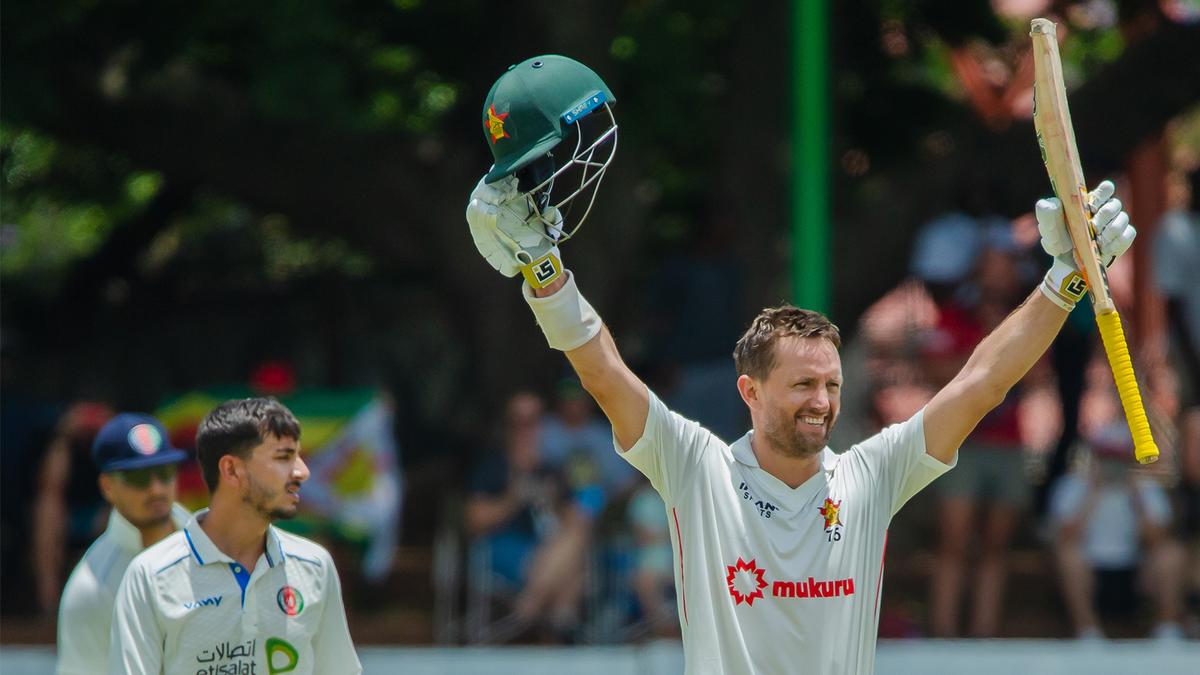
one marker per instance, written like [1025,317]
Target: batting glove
[1064,285]
[511,236]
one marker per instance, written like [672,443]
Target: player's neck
[152,534]
[792,471]
[235,530]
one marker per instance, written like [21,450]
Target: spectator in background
[653,567]
[579,443]
[894,329]
[1111,534]
[69,510]
[1177,275]
[944,254]
[534,533]
[137,477]
[988,490]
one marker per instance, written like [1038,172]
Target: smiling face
[797,404]
[273,474]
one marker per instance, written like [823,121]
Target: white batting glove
[511,236]
[1064,285]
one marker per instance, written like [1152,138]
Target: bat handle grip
[1113,336]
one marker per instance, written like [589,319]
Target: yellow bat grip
[1144,448]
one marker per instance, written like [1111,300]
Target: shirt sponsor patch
[214,601]
[765,508]
[747,582]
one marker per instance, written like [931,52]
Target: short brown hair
[754,354]
[238,426]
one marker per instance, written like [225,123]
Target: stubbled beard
[783,436]
[259,498]
[143,523]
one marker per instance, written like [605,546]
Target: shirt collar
[128,537]
[274,548]
[744,453]
[205,551]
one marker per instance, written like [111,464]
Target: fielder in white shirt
[231,594]
[137,477]
[778,541]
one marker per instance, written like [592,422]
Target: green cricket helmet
[535,106]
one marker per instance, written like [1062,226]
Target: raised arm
[1005,355]
[516,240]
[998,362]
[516,224]
[617,390]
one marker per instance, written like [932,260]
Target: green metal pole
[810,154]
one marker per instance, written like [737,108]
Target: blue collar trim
[188,536]
[243,578]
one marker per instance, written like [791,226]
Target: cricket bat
[1056,138]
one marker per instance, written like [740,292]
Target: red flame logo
[747,571]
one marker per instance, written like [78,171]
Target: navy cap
[133,441]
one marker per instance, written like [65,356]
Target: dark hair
[754,354]
[238,426]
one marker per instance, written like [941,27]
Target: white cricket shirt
[772,579]
[185,607]
[85,611]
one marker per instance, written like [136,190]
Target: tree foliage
[286,179]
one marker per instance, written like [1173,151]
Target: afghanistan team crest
[145,439]
[290,601]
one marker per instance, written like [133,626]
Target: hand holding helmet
[510,236]
[529,112]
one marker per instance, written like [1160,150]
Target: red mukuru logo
[746,581]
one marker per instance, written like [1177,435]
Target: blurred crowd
[558,540]
[1050,471]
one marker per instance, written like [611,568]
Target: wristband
[566,318]
[1063,285]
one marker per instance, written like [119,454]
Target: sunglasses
[140,478]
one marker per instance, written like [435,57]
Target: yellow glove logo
[1073,287]
[541,272]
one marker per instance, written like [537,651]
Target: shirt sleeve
[82,624]
[670,449]
[136,641]
[895,461]
[332,647]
